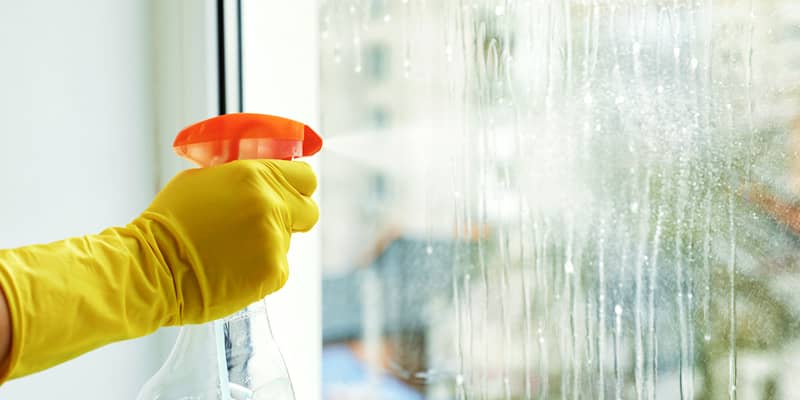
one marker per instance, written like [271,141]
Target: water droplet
[707,338]
[618,309]
[619,100]
[352,9]
[358,69]
[635,207]
[429,250]
[695,64]
[660,89]
[387,18]
[499,10]
[588,99]
[677,52]
[569,268]
[637,48]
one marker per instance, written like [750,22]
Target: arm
[213,241]
[5,332]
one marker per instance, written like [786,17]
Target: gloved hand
[212,242]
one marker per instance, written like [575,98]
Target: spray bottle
[234,358]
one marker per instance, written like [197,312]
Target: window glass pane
[561,199]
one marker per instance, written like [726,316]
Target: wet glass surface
[587,199]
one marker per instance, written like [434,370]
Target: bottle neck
[254,310]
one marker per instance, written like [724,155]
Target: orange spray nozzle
[246,136]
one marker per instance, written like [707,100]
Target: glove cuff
[70,297]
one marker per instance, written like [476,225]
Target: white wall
[76,153]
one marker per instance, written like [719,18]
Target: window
[585,200]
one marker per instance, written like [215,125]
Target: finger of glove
[305,213]
[277,273]
[297,173]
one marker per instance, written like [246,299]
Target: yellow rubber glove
[212,242]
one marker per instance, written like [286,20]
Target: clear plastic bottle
[235,358]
